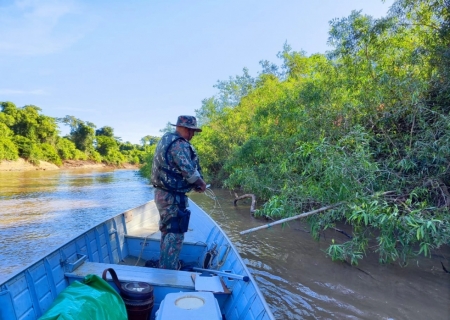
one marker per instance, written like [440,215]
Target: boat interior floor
[153,233]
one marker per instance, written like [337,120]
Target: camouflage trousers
[171,243]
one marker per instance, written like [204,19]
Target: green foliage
[149,140]
[81,133]
[83,137]
[33,152]
[108,149]
[29,123]
[96,157]
[8,150]
[146,169]
[5,131]
[105,131]
[80,155]
[106,145]
[367,125]
[5,119]
[134,156]
[67,149]
[50,154]
[399,232]
[28,149]
[26,133]
[344,252]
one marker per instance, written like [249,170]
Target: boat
[211,271]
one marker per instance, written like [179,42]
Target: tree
[150,140]
[68,151]
[108,148]
[105,131]
[81,133]
[8,150]
[229,96]
[27,133]
[28,122]
[366,124]
[168,128]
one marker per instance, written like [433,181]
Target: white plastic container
[189,306]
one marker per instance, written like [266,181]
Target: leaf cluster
[366,124]
[25,132]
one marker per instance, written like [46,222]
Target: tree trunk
[291,218]
[252,207]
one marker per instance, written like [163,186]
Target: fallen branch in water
[444,268]
[343,232]
[252,207]
[291,218]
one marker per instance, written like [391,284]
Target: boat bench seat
[155,277]
[164,281]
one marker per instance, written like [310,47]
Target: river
[40,210]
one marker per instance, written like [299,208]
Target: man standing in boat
[175,171]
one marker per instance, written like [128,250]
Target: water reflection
[39,211]
[300,282]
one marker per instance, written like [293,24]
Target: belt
[169,191]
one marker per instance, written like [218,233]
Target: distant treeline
[25,132]
[366,125]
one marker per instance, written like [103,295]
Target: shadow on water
[40,211]
[300,282]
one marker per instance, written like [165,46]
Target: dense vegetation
[26,133]
[366,125]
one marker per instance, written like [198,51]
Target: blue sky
[136,65]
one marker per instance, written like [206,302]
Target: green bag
[92,299]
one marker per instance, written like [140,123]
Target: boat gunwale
[122,215]
[31,264]
[239,258]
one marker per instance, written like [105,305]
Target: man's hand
[200,185]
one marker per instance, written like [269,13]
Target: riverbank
[23,165]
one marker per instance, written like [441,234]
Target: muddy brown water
[41,210]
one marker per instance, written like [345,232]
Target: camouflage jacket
[175,164]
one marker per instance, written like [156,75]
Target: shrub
[50,154]
[94,156]
[146,169]
[8,150]
[66,149]
[28,149]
